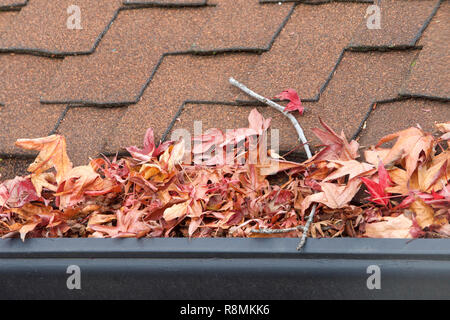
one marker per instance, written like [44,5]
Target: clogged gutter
[221,188]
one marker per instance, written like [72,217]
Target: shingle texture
[165,64]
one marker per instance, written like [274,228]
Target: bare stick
[306,228]
[271,231]
[294,121]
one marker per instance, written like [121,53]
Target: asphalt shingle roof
[165,64]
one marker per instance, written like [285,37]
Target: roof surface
[165,64]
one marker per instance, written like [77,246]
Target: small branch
[306,228]
[273,231]
[274,105]
[302,138]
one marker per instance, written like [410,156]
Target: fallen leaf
[336,146]
[17,192]
[52,154]
[294,100]
[424,213]
[412,145]
[176,211]
[352,168]
[398,227]
[377,190]
[333,195]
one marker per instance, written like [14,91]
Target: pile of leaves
[165,191]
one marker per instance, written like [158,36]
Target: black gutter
[219,268]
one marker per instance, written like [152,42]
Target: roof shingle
[166,63]
[32,32]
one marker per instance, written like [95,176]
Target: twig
[302,138]
[294,121]
[306,228]
[271,231]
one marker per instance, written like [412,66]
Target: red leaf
[17,192]
[149,149]
[377,190]
[292,96]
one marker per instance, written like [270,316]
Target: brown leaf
[400,179]
[398,227]
[352,168]
[27,228]
[412,145]
[97,218]
[333,195]
[52,154]
[176,211]
[77,181]
[336,146]
[424,213]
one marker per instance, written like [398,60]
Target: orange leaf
[412,145]
[176,211]
[52,154]
[397,227]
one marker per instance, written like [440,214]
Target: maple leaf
[257,122]
[398,227]
[146,153]
[412,145]
[52,154]
[352,168]
[429,177]
[17,192]
[425,215]
[445,129]
[81,181]
[294,100]
[149,151]
[435,174]
[333,195]
[176,211]
[336,146]
[376,190]
[97,218]
[129,224]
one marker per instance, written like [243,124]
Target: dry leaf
[398,227]
[52,154]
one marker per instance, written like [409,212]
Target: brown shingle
[429,75]
[178,79]
[22,116]
[307,50]
[11,167]
[400,24]
[392,117]
[6,18]
[33,32]
[241,24]
[86,130]
[126,56]
[360,79]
